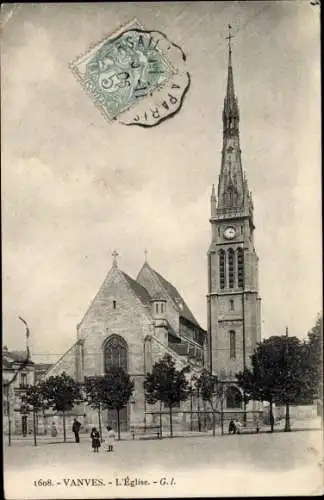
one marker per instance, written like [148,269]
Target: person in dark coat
[95,437]
[271,418]
[76,429]
[232,427]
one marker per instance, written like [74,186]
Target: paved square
[259,464]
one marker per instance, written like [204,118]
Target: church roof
[139,290]
[175,295]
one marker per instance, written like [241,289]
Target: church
[131,323]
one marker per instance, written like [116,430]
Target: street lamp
[8,383]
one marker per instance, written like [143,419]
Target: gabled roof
[139,290]
[176,297]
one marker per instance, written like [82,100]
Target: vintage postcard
[162,259]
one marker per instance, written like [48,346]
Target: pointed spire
[213,194]
[115,254]
[230,93]
[145,253]
[230,111]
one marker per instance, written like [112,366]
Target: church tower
[233,302]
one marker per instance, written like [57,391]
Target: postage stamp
[134,76]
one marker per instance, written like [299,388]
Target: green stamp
[126,68]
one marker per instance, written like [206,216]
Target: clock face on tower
[229,233]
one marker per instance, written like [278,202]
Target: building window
[232,342]
[231,274]
[232,305]
[162,308]
[240,268]
[23,380]
[115,353]
[222,276]
[157,307]
[114,304]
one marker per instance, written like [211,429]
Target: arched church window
[222,276]
[231,274]
[157,307]
[232,344]
[233,397]
[232,305]
[240,268]
[115,353]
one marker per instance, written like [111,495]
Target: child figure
[53,430]
[95,436]
[110,439]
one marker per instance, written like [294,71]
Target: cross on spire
[115,254]
[229,37]
[145,253]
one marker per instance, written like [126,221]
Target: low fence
[199,420]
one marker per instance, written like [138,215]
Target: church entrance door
[123,417]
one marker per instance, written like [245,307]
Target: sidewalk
[301,425]
[296,425]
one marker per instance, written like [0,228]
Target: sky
[75,187]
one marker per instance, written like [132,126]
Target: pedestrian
[95,437]
[232,427]
[53,430]
[76,429]
[271,418]
[238,426]
[110,439]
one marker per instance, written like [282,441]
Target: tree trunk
[99,418]
[170,416]
[244,410]
[213,422]
[160,419]
[64,427]
[191,411]
[271,417]
[198,403]
[118,424]
[44,422]
[287,419]
[222,412]
[34,426]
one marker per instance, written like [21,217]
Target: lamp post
[8,383]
